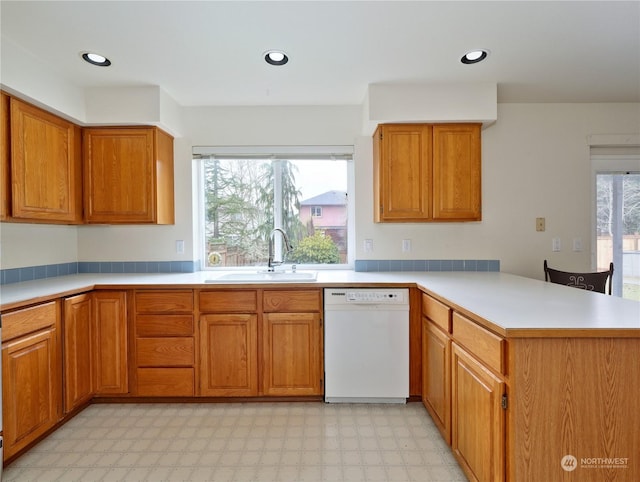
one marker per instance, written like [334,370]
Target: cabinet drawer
[489,348]
[164,301]
[165,352]
[437,312]
[164,325]
[228,301]
[28,320]
[166,382]
[291,300]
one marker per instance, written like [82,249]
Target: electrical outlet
[368,245]
[540,224]
[406,245]
[577,244]
[556,244]
[180,246]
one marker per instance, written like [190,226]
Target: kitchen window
[247,193]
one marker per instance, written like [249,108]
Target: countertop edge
[508,305]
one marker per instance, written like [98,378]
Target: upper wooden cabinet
[128,176]
[46,171]
[456,172]
[5,160]
[427,173]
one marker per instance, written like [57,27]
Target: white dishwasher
[366,345]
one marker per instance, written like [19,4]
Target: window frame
[297,153]
[610,154]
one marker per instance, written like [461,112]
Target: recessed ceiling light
[96,59]
[474,56]
[275,57]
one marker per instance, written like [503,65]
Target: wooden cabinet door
[436,376]
[77,357]
[30,388]
[229,355]
[456,172]
[110,342]
[45,166]
[5,159]
[128,175]
[402,172]
[477,418]
[292,348]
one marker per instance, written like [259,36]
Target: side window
[618,230]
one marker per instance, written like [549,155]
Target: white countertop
[509,304]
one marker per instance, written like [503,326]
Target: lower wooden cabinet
[31,375]
[477,418]
[292,343]
[436,373]
[261,342]
[110,346]
[164,382]
[77,351]
[164,344]
[292,351]
[229,355]
[463,388]
[165,366]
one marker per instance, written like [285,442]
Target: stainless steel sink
[266,277]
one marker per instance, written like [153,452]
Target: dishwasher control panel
[342,296]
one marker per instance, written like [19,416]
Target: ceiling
[211,52]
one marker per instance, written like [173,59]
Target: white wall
[535,164]
[269,126]
[39,83]
[37,244]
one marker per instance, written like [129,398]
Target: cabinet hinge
[381,136]
[504,402]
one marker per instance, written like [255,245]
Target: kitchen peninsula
[547,375]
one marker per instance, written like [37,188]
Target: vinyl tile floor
[283,442]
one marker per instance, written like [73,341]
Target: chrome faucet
[287,246]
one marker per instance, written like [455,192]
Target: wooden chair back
[587,281]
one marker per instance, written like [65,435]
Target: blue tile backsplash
[30,273]
[427,265]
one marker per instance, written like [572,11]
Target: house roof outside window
[329,198]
